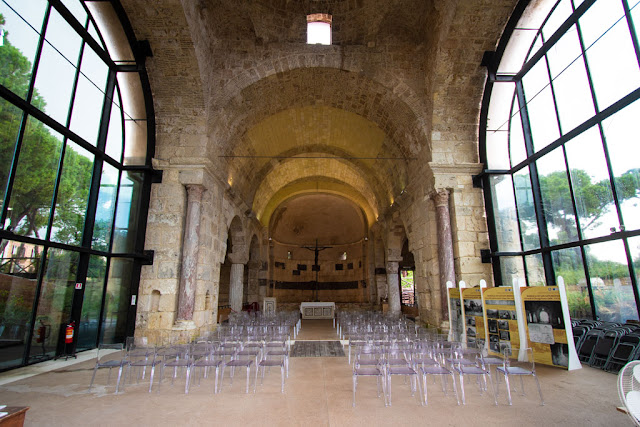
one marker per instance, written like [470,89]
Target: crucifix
[316,249]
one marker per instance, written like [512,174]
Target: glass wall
[562,153]
[74,175]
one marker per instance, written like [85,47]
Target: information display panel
[501,312]
[473,316]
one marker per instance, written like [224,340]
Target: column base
[184,325]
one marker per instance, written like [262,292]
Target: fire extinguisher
[68,336]
[42,332]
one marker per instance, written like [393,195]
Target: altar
[318,310]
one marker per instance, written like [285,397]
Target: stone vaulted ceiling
[281,120]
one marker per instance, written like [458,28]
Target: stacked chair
[606,345]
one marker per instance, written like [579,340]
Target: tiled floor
[318,392]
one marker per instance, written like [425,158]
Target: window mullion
[535,187]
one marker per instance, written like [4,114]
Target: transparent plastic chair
[109,356]
[519,363]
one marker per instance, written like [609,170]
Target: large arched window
[562,153]
[74,175]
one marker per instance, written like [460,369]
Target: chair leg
[187,380]
[539,390]
[255,381]
[221,379]
[355,384]
[153,369]
[462,388]
[495,398]
[93,377]
[248,376]
[282,377]
[425,391]
[455,388]
[506,380]
[119,378]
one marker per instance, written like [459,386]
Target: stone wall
[226,75]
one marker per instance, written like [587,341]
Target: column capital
[194,191]
[392,267]
[238,258]
[440,197]
[394,255]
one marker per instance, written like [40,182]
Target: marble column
[445,247]
[393,281]
[190,243]
[235,287]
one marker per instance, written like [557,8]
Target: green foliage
[38,161]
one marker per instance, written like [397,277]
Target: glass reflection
[535,270]
[91,303]
[526,210]
[620,130]
[30,201]
[54,88]
[568,264]
[127,212]
[19,44]
[10,118]
[504,206]
[54,303]
[89,97]
[556,198]
[19,268]
[73,195]
[591,185]
[610,282]
[106,208]
[117,301]
[511,268]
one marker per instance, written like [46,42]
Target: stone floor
[318,392]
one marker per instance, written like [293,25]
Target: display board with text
[473,316]
[456,321]
[548,327]
[501,312]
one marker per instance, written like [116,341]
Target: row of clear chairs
[443,362]
[425,353]
[195,359]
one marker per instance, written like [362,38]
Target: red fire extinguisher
[68,336]
[42,331]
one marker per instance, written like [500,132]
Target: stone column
[190,243]
[238,259]
[445,247]
[393,281]
[235,287]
